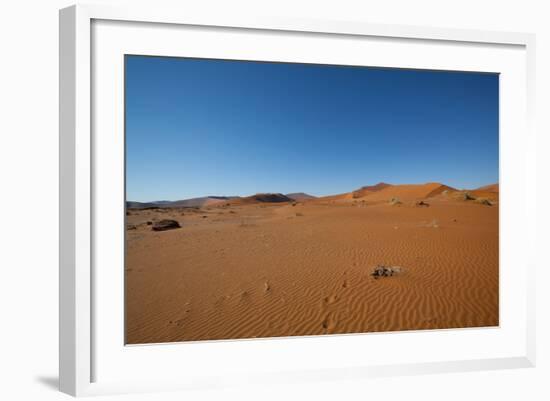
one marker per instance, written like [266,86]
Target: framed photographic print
[276,200]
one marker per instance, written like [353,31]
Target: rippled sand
[264,270]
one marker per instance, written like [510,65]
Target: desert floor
[264,270]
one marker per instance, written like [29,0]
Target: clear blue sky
[211,127]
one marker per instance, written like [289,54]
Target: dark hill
[300,196]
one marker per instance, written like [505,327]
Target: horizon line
[307,193]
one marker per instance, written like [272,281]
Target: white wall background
[29,196]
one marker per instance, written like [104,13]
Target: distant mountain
[193,202]
[200,202]
[375,193]
[141,205]
[212,201]
[262,198]
[300,196]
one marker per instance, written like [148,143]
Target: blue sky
[197,127]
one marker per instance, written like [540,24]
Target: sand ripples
[311,275]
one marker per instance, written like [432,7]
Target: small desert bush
[395,201]
[468,196]
[484,201]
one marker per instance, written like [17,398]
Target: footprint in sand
[330,299]
[221,301]
[328,323]
[345,284]
[178,322]
[267,287]
[244,296]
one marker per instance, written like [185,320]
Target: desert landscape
[379,258]
[273,199]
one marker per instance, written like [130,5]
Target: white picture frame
[78,225]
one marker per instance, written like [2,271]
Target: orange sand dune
[346,195]
[474,194]
[489,188]
[490,192]
[408,192]
[358,193]
[485,194]
[264,270]
[385,192]
[367,190]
